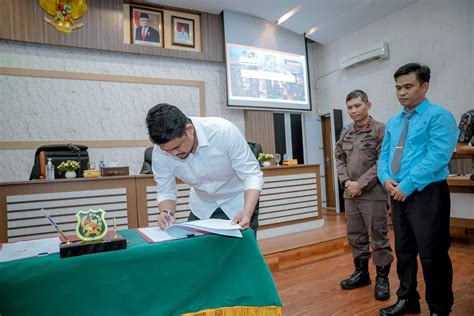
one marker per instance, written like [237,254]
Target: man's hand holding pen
[166,218]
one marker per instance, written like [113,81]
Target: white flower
[265,157]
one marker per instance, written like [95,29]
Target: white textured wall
[41,109]
[438,33]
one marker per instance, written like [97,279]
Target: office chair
[146,168]
[58,153]
[255,148]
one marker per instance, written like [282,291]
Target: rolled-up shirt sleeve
[164,178]
[243,160]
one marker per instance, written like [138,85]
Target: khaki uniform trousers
[367,229]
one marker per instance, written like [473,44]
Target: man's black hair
[357,93]
[422,72]
[165,122]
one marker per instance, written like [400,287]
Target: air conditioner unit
[373,52]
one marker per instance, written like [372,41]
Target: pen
[56,226]
[42,254]
[115,228]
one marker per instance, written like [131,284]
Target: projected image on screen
[256,74]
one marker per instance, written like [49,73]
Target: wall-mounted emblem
[65,13]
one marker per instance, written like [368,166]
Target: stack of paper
[30,248]
[192,228]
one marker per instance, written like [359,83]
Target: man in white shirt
[210,155]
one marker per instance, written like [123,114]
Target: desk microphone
[73,147]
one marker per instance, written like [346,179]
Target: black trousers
[421,226]
[219,213]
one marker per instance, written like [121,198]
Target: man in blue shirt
[413,166]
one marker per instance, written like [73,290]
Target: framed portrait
[146,26]
[182,32]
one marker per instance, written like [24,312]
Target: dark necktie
[397,156]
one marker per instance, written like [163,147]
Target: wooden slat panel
[66,218]
[21,20]
[259,128]
[285,198]
[61,203]
[25,219]
[288,201]
[39,191]
[38,230]
[285,207]
[286,214]
[64,195]
[139,207]
[288,177]
[58,211]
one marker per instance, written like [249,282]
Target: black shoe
[402,307]
[382,285]
[360,277]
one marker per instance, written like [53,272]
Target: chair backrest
[58,153]
[146,168]
[256,148]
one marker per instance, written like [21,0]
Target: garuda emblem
[91,225]
[65,13]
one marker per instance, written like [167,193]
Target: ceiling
[323,21]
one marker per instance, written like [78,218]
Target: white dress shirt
[219,172]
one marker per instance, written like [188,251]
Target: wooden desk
[21,203]
[290,202]
[462,201]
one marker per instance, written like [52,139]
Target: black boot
[360,277]
[382,286]
[402,307]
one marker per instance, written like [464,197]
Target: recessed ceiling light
[312,30]
[288,14]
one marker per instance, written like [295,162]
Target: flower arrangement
[69,165]
[265,157]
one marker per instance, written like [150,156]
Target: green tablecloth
[168,278]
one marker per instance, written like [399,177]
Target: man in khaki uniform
[365,199]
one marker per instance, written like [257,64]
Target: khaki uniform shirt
[357,152]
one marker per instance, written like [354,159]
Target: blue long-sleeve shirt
[429,144]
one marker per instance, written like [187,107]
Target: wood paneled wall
[260,129]
[21,20]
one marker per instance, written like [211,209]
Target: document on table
[29,248]
[192,228]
